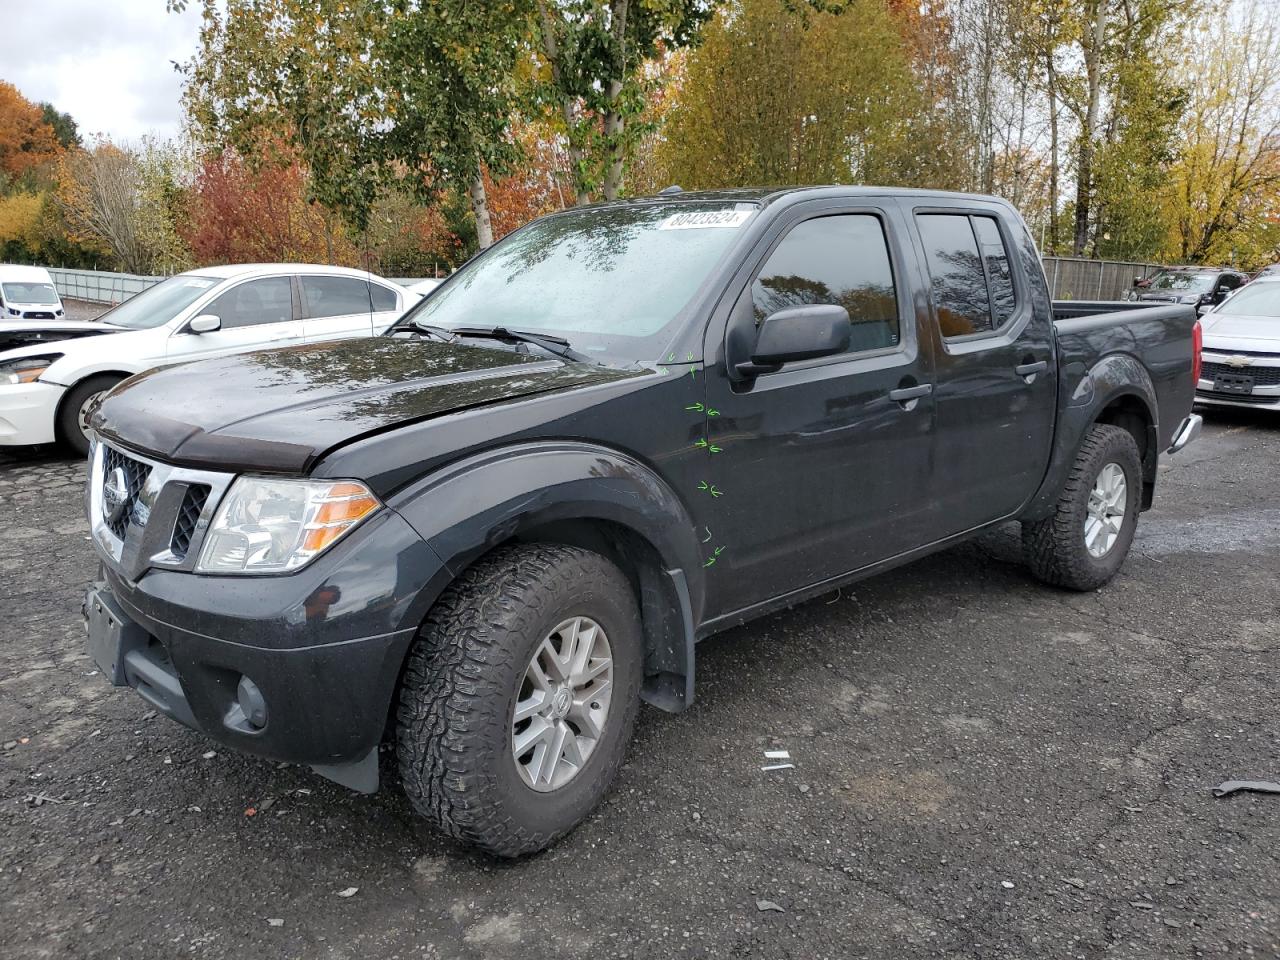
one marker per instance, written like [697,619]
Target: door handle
[1029,369]
[905,394]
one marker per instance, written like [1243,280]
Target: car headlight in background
[15,312]
[275,526]
[26,369]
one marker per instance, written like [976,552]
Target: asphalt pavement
[984,767]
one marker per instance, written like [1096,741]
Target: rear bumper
[27,412]
[1187,432]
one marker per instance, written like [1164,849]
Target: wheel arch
[119,375]
[587,496]
[1116,390]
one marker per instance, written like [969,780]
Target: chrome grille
[135,478]
[1262,376]
[188,516]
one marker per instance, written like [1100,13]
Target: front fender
[465,510]
[1081,400]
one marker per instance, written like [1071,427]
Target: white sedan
[52,373]
[1241,356]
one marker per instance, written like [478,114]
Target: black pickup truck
[487,535]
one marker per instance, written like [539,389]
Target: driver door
[823,466]
[255,314]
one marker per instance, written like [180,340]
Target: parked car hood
[19,334]
[280,410]
[1226,331]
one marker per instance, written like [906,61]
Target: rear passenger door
[995,381]
[335,307]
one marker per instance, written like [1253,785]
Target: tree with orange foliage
[26,140]
[255,213]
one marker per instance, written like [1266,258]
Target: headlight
[26,369]
[274,526]
[13,311]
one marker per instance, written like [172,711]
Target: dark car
[1197,286]
[486,536]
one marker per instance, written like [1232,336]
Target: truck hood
[280,410]
[1226,331]
[19,334]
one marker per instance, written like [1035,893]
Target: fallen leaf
[763,905]
[349,892]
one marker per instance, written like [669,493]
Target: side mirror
[205,323]
[798,333]
[1137,280]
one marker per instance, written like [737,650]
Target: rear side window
[269,300]
[973,290]
[384,298]
[334,296]
[842,260]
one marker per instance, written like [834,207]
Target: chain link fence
[101,286]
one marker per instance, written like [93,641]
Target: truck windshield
[1182,281]
[156,306]
[1255,300]
[609,281]
[41,293]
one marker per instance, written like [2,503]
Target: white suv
[52,374]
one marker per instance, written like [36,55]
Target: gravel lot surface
[984,767]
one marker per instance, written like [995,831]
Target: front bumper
[323,646]
[27,412]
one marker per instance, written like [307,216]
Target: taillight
[1197,345]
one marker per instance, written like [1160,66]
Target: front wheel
[1084,542]
[76,409]
[519,697]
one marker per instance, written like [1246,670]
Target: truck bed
[1156,337]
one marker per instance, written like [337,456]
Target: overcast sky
[106,62]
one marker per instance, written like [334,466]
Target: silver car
[1241,357]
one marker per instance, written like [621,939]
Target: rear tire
[457,732]
[1083,543]
[79,399]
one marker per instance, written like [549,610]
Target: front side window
[841,260]
[334,296]
[269,300]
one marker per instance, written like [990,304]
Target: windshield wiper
[556,345]
[440,333]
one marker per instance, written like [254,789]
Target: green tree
[596,55]
[447,72]
[64,127]
[779,94]
[1223,192]
[301,70]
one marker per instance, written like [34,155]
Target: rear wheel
[519,697]
[1084,542]
[77,407]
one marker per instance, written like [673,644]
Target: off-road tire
[1054,547]
[462,679]
[68,424]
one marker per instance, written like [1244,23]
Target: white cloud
[109,63]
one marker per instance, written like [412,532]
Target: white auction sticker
[705,219]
